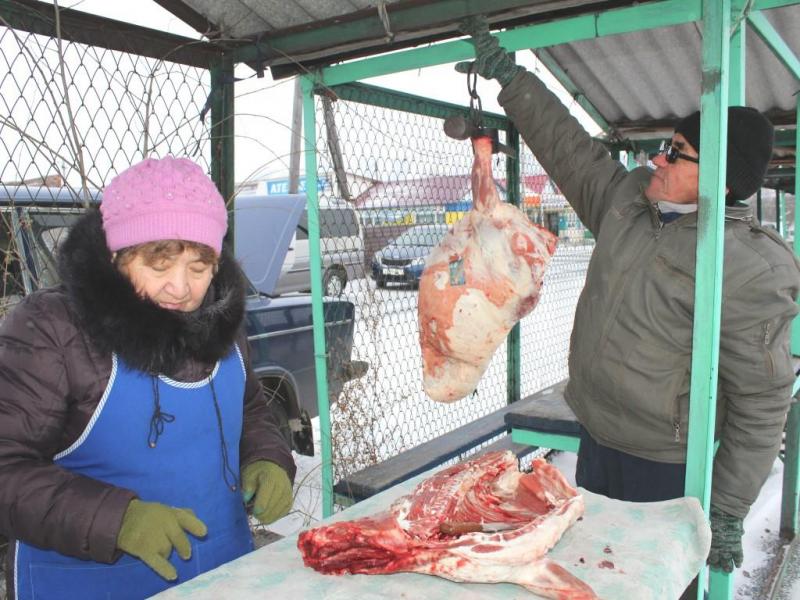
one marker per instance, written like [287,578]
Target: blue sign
[278,187]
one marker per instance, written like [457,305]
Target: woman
[128,407]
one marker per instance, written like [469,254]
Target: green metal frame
[555,441]
[791,474]
[572,29]
[410,103]
[513,340]
[796,324]
[708,272]
[320,352]
[723,82]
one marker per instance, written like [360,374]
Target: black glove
[726,541]
[491,61]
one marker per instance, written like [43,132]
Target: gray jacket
[631,345]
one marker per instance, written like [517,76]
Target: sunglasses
[671,153]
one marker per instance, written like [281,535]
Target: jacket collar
[144,335]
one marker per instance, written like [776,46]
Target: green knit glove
[270,485]
[151,530]
[491,61]
[726,541]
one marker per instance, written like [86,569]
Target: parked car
[403,259]
[341,244]
[35,220]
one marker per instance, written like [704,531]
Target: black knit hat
[750,136]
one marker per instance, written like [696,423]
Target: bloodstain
[606,564]
[607,550]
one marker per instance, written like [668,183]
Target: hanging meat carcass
[483,277]
[422,532]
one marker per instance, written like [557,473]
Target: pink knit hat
[163,199]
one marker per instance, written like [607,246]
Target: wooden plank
[546,408]
[390,472]
[545,411]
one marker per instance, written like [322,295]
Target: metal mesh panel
[116,109]
[407,181]
[545,332]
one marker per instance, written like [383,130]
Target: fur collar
[146,336]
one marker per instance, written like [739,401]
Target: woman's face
[178,282]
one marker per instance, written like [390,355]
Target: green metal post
[648,15]
[780,212]
[631,162]
[736,93]
[791,463]
[317,309]
[759,205]
[791,474]
[513,353]
[222,133]
[796,324]
[708,273]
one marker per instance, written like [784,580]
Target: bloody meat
[540,505]
[484,276]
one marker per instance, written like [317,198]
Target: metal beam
[644,16]
[84,28]
[738,45]
[569,85]
[796,323]
[767,4]
[191,17]
[708,270]
[317,309]
[773,39]
[404,19]
[222,133]
[710,235]
[418,105]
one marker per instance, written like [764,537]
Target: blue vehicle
[33,221]
[403,259]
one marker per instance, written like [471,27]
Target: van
[341,246]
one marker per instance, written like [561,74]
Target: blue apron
[184,469]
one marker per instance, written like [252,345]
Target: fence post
[222,134]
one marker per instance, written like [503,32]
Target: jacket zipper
[676,426]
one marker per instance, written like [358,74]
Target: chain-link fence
[407,182]
[72,116]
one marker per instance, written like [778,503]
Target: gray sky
[264,106]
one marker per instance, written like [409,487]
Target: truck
[34,220]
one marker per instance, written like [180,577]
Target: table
[655,549]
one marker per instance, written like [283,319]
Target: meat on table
[537,506]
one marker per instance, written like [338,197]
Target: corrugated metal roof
[640,83]
[246,18]
[641,79]
[649,79]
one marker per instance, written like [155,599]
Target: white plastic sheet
[623,550]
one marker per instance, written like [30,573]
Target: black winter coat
[55,362]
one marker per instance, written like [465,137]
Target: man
[631,345]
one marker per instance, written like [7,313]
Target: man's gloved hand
[151,530]
[270,485]
[491,61]
[726,540]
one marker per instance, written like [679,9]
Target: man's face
[675,182]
